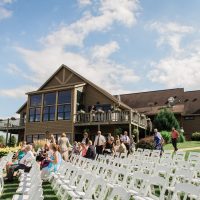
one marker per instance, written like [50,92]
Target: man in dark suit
[91,151]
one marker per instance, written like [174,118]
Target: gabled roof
[21,108]
[104,92]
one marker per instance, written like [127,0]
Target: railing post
[7,131]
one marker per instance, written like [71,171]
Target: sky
[123,46]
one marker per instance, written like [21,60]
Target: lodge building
[68,102]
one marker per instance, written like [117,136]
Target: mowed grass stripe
[48,192]
[9,189]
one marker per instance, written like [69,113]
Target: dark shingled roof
[151,102]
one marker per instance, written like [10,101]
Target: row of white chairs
[81,178]
[30,184]
[3,161]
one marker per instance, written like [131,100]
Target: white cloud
[102,52]
[171,34]
[99,69]
[93,63]
[6,1]
[181,68]
[122,11]
[84,2]
[18,92]
[4,13]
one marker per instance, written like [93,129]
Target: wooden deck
[11,124]
[110,117]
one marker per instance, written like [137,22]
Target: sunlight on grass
[188,144]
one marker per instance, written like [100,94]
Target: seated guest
[109,147]
[75,148]
[54,160]
[90,151]
[42,154]
[117,145]
[122,147]
[24,163]
[83,149]
[18,156]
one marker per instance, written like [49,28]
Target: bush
[196,136]
[165,120]
[6,150]
[181,138]
[146,143]
[166,136]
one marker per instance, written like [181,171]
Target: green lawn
[48,192]
[9,190]
[11,187]
[187,144]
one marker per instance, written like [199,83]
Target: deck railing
[12,123]
[111,117]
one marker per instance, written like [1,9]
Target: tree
[13,141]
[165,120]
[2,140]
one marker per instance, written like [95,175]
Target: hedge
[196,136]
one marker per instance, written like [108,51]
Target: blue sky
[122,45]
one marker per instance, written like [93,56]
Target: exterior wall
[92,96]
[191,126]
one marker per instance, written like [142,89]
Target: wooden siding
[51,126]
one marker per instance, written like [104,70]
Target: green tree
[2,139]
[165,120]
[13,141]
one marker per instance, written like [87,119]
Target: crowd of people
[52,153]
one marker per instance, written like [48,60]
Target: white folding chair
[119,193]
[186,191]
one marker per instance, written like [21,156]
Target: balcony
[11,124]
[110,117]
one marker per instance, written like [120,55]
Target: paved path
[188,149]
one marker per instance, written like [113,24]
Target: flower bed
[6,150]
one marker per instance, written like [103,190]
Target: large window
[36,100]
[64,97]
[49,113]
[35,108]
[34,114]
[64,105]
[49,107]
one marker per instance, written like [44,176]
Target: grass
[187,144]
[48,192]
[9,190]
[11,187]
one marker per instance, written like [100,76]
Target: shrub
[181,138]
[196,136]
[146,143]
[6,150]
[165,120]
[166,136]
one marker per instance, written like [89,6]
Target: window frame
[64,105]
